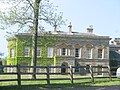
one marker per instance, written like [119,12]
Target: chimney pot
[90,29]
[70,28]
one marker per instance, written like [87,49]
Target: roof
[114,46]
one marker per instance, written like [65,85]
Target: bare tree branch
[30,3]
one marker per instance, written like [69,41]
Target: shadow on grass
[44,86]
[51,86]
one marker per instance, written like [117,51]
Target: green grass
[41,85]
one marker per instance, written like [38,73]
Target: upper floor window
[38,51]
[26,51]
[50,52]
[77,52]
[89,53]
[12,53]
[100,53]
[58,51]
[63,51]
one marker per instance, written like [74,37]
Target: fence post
[48,75]
[71,74]
[91,72]
[18,75]
[109,72]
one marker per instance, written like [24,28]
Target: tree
[28,14]
[1,54]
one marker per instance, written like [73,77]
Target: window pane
[99,69]
[87,69]
[12,53]
[38,51]
[58,51]
[68,52]
[50,52]
[77,52]
[63,51]
[26,51]
[100,53]
[88,53]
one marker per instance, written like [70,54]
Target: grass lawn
[41,85]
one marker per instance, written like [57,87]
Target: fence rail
[70,71]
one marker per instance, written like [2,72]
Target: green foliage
[12,61]
[22,41]
[21,15]
[4,61]
[114,62]
[1,54]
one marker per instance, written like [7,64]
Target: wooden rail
[70,71]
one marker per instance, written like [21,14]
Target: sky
[104,15]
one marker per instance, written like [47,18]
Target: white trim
[12,52]
[50,52]
[38,48]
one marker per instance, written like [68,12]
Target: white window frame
[26,51]
[89,53]
[12,53]
[58,51]
[38,51]
[50,52]
[100,54]
[68,52]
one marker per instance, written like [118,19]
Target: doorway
[64,69]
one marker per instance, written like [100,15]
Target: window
[50,52]
[26,51]
[87,69]
[100,53]
[63,51]
[88,53]
[99,69]
[38,51]
[12,53]
[58,51]
[77,51]
[68,52]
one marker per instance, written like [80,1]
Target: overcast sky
[104,15]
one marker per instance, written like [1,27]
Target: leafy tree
[27,15]
[1,54]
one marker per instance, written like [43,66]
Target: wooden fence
[71,72]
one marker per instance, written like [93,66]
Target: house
[60,48]
[115,54]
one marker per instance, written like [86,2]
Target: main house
[60,48]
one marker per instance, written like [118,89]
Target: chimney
[55,28]
[70,28]
[90,29]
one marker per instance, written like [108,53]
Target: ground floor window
[87,69]
[99,69]
[77,69]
